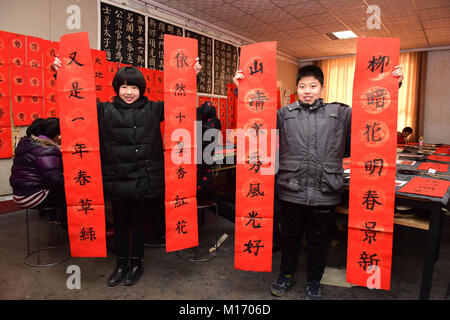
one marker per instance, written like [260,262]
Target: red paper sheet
[111,70]
[441,167]
[50,49]
[373,163]
[18,79]
[257,105]
[426,187]
[180,112]
[80,147]
[5,113]
[439,158]
[445,150]
[100,73]
[34,100]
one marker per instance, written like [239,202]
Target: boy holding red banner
[314,136]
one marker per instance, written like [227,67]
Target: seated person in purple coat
[36,175]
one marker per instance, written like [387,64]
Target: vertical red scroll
[257,105]
[100,74]
[80,147]
[34,99]
[373,152]
[18,81]
[50,49]
[180,97]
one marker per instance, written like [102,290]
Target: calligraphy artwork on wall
[5,110]
[156,31]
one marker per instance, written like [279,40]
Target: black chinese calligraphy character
[370,199]
[181,172]
[365,260]
[87,234]
[180,227]
[72,56]
[256,162]
[79,149]
[376,63]
[180,116]
[255,68]
[253,245]
[180,146]
[257,100]
[369,232]
[376,97]
[252,216]
[180,201]
[82,178]
[372,165]
[371,132]
[180,89]
[85,205]
[181,60]
[254,190]
[256,127]
[75,90]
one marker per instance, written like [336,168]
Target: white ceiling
[299,26]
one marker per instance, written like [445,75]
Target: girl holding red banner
[36,175]
[132,159]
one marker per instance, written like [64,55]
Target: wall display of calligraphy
[180,110]
[50,104]
[373,163]
[205,52]
[122,35]
[156,31]
[5,110]
[255,170]
[225,65]
[80,147]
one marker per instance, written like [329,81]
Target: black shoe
[135,272]
[156,242]
[119,273]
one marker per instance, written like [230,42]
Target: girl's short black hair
[310,71]
[130,76]
[37,127]
[52,128]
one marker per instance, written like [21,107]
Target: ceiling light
[344,34]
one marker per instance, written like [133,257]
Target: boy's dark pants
[129,215]
[317,223]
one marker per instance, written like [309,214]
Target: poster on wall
[122,35]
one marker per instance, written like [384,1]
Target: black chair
[60,252]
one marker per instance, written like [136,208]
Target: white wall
[437,98]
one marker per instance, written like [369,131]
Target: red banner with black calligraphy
[18,81]
[100,74]
[111,70]
[257,105]
[50,49]
[180,110]
[80,147]
[5,110]
[34,98]
[373,163]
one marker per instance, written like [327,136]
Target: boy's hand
[56,63]
[238,76]
[197,67]
[397,73]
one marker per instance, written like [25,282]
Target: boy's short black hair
[310,71]
[408,130]
[52,128]
[130,76]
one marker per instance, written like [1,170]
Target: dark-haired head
[129,76]
[52,128]
[310,71]
[37,127]
[407,130]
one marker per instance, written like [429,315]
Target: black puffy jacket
[131,149]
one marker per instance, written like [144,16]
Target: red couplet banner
[257,109]
[5,113]
[100,74]
[180,97]
[373,163]
[80,147]
[50,49]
